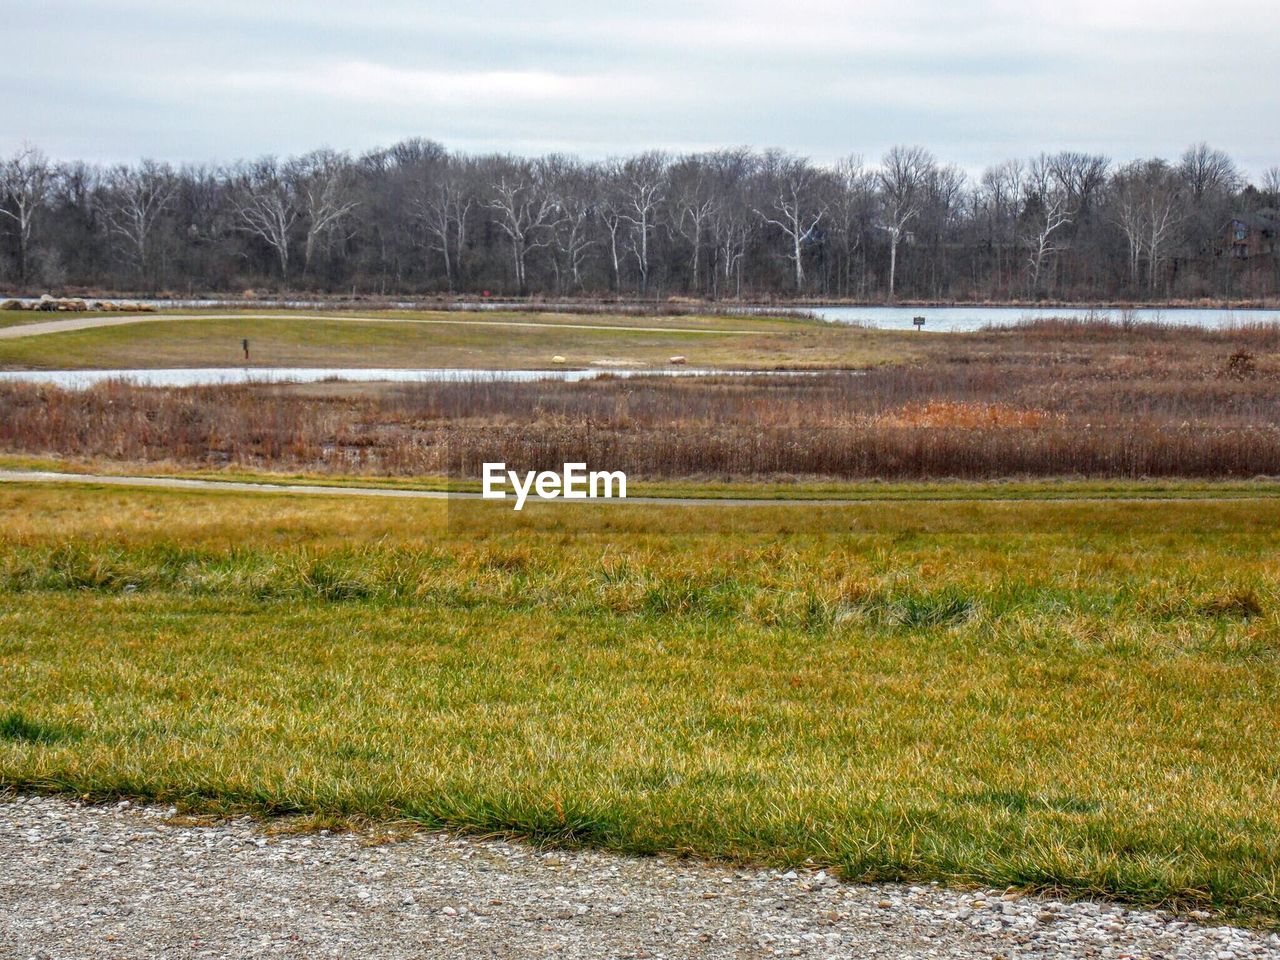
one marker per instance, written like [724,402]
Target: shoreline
[672,304]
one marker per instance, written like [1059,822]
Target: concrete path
[315,489]
[239,486]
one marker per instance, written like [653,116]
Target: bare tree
[324,187]
[25,181]
[388,183]
[1210,182]
[1271,185]
[793,205]
[136,200]
[733,231]
[527,213]
[1080,175]
[1002,190]
[612,219]
[732,220]
[1127,212]
[442,205]
[903,172]
[1164,216]
[266,206]
[575,187]
[642,182]
[1206,170]
[1148,209]
[943,189]
[414,216]
[695,204]
[1046,215]
[854,195]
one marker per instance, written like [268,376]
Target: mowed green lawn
[1080,696]
[487,340]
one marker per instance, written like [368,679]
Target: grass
[1050,400]
[487,340]
[17,728]
[1072,696]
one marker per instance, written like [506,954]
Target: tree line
[417,219]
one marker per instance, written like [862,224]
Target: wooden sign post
[918,321]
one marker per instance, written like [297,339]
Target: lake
[959,319]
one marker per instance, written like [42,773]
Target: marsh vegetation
[1044,399]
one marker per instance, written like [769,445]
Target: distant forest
[417,219]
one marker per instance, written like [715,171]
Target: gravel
[80,881]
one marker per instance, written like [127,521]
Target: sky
[975,81]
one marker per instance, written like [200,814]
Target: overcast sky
[976,81]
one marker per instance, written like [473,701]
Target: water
[937,319]
[959,319]
[212,376]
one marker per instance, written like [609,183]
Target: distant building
[1252,235]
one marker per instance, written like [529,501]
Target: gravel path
[120,881]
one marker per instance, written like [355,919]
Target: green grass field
[1063,695]
[487,340]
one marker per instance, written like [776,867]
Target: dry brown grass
[1045,399]
[969,415]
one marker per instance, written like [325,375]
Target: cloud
[357,81]
[974,80]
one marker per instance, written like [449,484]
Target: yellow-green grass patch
[1074,696]
[453,339]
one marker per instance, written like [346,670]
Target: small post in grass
[245,343]
[918,321]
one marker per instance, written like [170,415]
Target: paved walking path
[247,486]
[42,327]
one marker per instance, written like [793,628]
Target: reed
[1043,399]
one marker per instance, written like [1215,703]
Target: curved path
[109,882]
[42,327]
[250,486]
